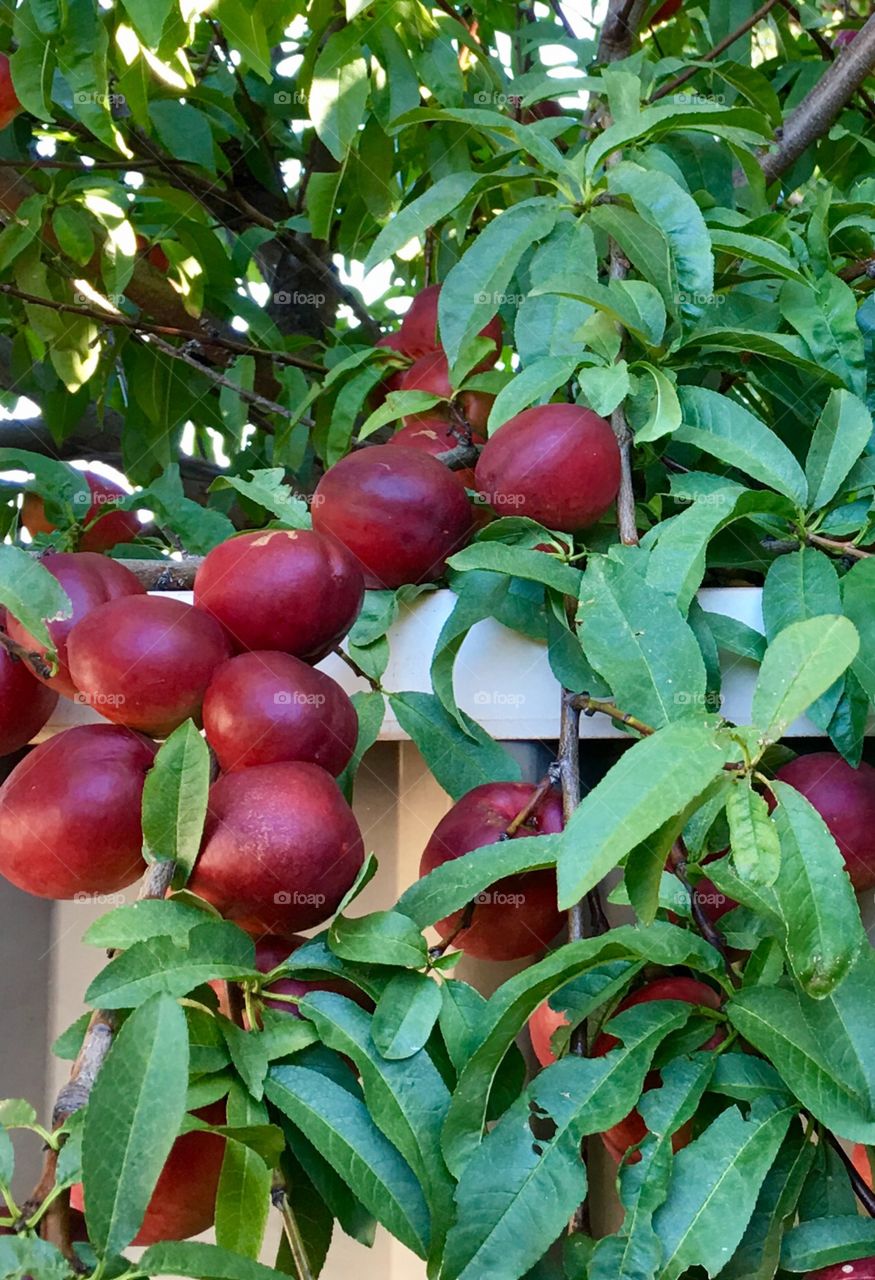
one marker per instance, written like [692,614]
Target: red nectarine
[287,589]
[266,707]
[518,915]
[859,1269]
[418,334]
[434,434]
[542,1025]
[845,799]
[89,580]
[25,703]
[280,848]
[397,510]
[146,661]
[70,813]
[559,464]
[112,528]
[430,373]
[9,103]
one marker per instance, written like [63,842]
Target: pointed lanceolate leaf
[340,1127]
[175,800]
[841,434]
[201,1261]
[652,782]
[824,932]
[31,594]
[827,1241]
[756,849]
[858,596]
[134,1114]
[800,664]
[459,758]
[405,1015]
[243,1196]
[217,949]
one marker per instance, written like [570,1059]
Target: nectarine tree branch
[858,270]
[35,661]
[435,953]
[722,45]
[862,1191]
[828,50]
[619,29]
[292,1230]
[117,320]
[816,112]
[677,861]
[590,706]
[840,548]
[626,522]
[357,670]
[561,18]
[534,800]
[462,456]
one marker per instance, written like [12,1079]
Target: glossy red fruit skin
[146,661]
[845,799]
[501,927]
[70,813]
[393,381]
[89,580]
[398,511]
[183,1203]
[25,704]
[631,1130]
[418,334]
[430,373]
[859,1269]
[559,464]
[666,11]
[280,849]
[9,103]
[286,589]
[268,707]
[121,526]
[860,1159]
[434,434]
[542,1024]
[846,36]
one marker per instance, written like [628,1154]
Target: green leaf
[535,566]
[184,131]
[663,414]
[457,882]
[736,637]
[676,565]
[244,25]
[340,1127]
[824,1049]
[371,710]
[425,211]
[800,664]
[140,921]
[534,384]
[175,800]
[756,849]
[243,1195]
[267,488]
[458,759]
[738,124]
[824,933]
[216,949]
[200,528]
[841,435]
[405,1015]
[134,1114]
[636,639]
[200,1261]
[767,253]
[858,598]
[339,91]
[664,204]
[27,1255]
[31,594]
[383,937]
[714,1187]
[407,1099]
[634,304]
[651,783]
[248,1052]
[824,1242]
[824,314]
[73,228]
[148,18]
[474,288]
[519,1188]
[728,431]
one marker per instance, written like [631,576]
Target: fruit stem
[840,548]
[589,706]
[864,1193]
[354,667]
[534,800]
[677,861]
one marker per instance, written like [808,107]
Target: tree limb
[715,52]
[620,29]
[817,111]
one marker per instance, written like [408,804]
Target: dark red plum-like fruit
[111,529]
[267,707]
[418,334]
[518,915]
[858,1269]
[392,381]
[89,580]
[667,10]
[183,1203]
[280,849]
[146,661]
[286,589]
[632,1129]
[559,464]
[400,512]
[9,103]
[430,373]
[70,813]
[25,703]
[845,799]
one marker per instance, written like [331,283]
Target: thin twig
[291,1229]
[531,805]
[677,861]
[590,706]
[566,25]
[715,52]
[626,523]
[862,1190]
[248,397]
[35,661]
[117,319]
[357,670]
[856,270]
[841,548]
